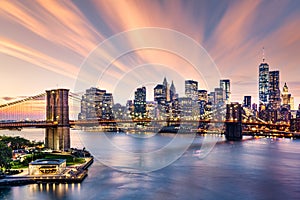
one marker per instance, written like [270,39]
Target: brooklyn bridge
[51,111]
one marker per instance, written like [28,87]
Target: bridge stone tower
[233,122]
[57,137]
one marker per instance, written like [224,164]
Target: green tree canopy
[5,155]
[15,142]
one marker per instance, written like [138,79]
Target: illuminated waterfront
[254,169]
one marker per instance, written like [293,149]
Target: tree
[15,142]
[5,155]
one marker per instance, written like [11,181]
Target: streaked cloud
[233,33]
[35,57]
[57,21]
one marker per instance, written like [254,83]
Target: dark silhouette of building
[233,121]
[247,102]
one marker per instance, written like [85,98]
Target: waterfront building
[247,102]
[191,89]
[120,112]
[107,104]
[263,82]
[274,91]
[140,103]
[96,104]
[225,85]
[47,166]
[151,109]
[130,107]
[185,108]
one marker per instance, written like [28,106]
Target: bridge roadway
[45,124]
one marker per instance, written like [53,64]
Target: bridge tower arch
[233,122]
[57,137]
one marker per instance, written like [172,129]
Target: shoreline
[78,177]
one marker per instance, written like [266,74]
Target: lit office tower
[172,92]
[166,87]
[211,98]
[140,103]
[219,95]
[263,82]
[287,99]
[107,105]
[274,92]
[92,104]
[202,95]
[191,89]
[225,85]
[247,102]
[160,94]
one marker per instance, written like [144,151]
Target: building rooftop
[48,162]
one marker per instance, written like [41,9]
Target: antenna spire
[264,54]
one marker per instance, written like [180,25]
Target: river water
[166,167]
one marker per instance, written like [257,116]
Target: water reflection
[264,168]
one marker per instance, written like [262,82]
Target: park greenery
[5,155]
[33,151]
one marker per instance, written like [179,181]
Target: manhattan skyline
[44,44]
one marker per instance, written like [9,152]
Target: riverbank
[72,174]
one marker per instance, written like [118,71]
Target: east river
[174,167]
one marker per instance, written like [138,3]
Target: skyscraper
[225,85]
[274,91]
[247,102]
[211,98]
[172,92]
[160,94]
[140,103]
[191,89]
[263,82]
[93,104]
[287,99]
[202,95]
[219,95]
[107,104]
[166,87]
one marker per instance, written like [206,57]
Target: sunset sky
[46,44]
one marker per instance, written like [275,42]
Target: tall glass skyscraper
[191,89]
[274,91]
[140,103]
[225,85]
[247,102]
[263,82]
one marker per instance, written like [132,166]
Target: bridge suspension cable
[29,108]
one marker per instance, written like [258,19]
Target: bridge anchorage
[57,136]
